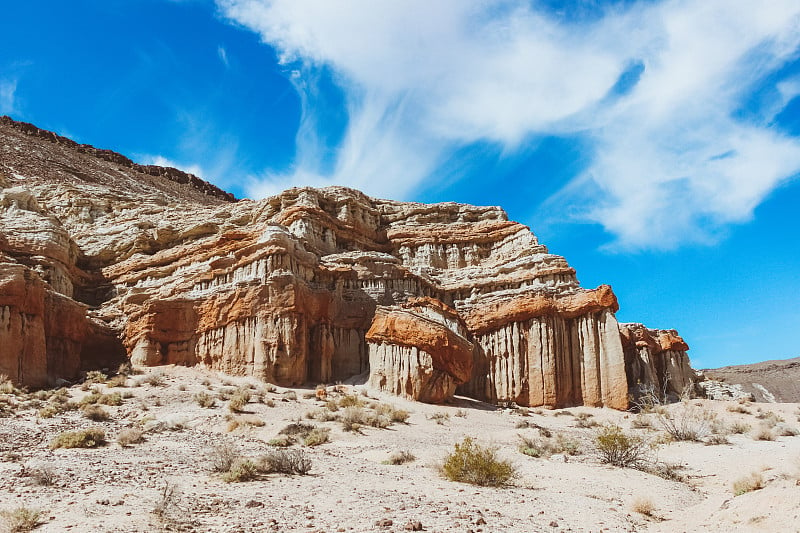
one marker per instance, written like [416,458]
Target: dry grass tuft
[749,483]
[644,506]
[129,436]
[21,519]
[400,457]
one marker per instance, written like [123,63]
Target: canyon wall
[308,286]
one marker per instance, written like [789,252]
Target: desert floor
[350,486]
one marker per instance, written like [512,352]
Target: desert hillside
[767,381]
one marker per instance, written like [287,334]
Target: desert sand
[351,488]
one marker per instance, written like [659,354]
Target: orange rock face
[419,350]
[309,286]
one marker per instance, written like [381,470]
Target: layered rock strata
[419,350]
[311,285]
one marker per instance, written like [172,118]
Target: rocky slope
[768,381]
[104,259]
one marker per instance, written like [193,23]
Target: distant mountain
[768,381]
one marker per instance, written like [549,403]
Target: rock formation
[309,286]
[656,361]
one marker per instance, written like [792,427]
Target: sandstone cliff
[312,285]
[656,361]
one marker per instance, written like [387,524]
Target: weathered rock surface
[419,350]
[311,285]
[656,361]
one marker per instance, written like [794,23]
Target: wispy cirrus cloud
[673,159]
[8,89]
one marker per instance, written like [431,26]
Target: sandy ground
[349,488]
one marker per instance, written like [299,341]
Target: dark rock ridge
[102,260]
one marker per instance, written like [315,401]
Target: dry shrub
[400,457]
[281,441]
[21,519]
[737,428]
[716,439]
[478,465]
[613,446]
[86,438]
[352,418]
[686,421]
[738,408]
[643,506]
[119,380]
[547,446]
[239,400]
[241,470]
[749,483]
[317,436]
[155,379]
[641,421]
[764,432]
[204,399]
[223,457]
[284,461]
[351,400]
[440,417]
[95,376]
[43,475]
[585,420]
[129,436]
[167,501]
[95,413]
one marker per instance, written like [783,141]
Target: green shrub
[614,446]
[241,470]
[86,438]
[478,465]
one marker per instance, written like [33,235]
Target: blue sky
[654,144]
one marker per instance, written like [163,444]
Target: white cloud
[8,88]
[423,78]
[223,55]
[162,161]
